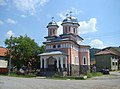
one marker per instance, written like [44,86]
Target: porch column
[61,62]
[57,62]
[40,62]
[65,62]
[44,62]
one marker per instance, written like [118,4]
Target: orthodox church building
[64,53]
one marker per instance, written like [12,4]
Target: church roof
[70,19]
[52,53]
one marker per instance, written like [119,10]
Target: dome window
[74,30]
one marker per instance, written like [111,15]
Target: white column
[44,63]
[65,62]
[61,62]
[57,58]
[57,62]
[40,62]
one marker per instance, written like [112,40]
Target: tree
[24,51]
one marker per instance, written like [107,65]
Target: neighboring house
[93,51]
[3,62]
[108,58]
[64,53]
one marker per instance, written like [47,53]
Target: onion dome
[52,23]
[71,20]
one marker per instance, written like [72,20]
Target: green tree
[24,51]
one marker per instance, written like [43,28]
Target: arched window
[74,30]
[59,46]
[69,28]
[53,31]
[84,60]
[65,29]
[54,46]
[50,31]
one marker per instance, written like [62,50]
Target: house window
[54,46]
[113,63]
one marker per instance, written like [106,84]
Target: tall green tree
[24,51]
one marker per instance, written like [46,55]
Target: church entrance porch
[119,64]
[52,63]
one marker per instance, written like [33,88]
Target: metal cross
[66,15]
[70,13]
[52,18]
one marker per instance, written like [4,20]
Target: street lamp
[10,56]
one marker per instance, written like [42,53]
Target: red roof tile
[3,51]
[105,52]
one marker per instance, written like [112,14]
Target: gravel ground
[104,82]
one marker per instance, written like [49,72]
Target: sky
[99,19]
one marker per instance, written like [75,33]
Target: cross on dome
[70,13]
[52,18]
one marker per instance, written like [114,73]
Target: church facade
[64,53]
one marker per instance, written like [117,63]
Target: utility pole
[10,56]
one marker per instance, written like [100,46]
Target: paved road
[35,83]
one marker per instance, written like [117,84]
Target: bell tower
[70,24]
[52,28]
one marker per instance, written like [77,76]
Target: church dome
[52,23]
[70,19]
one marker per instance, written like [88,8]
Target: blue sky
[99,19]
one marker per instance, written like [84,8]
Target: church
[64,53]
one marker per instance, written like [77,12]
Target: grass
[23,76]
[56,77]
[94,74]
[89,75]
[66,78]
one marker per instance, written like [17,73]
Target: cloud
[29,6]
[89,26]
[60,29]
[1,22]
[96,43]
[85,27]
[23,16]
[9,33]
[74,12]
[2,2]
[11,21]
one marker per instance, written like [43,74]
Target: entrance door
[52,64]
[55,65]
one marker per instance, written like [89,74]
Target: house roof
[3,51]
[103,52]
[117,49]
[52,53]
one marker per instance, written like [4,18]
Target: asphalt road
[104,82]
